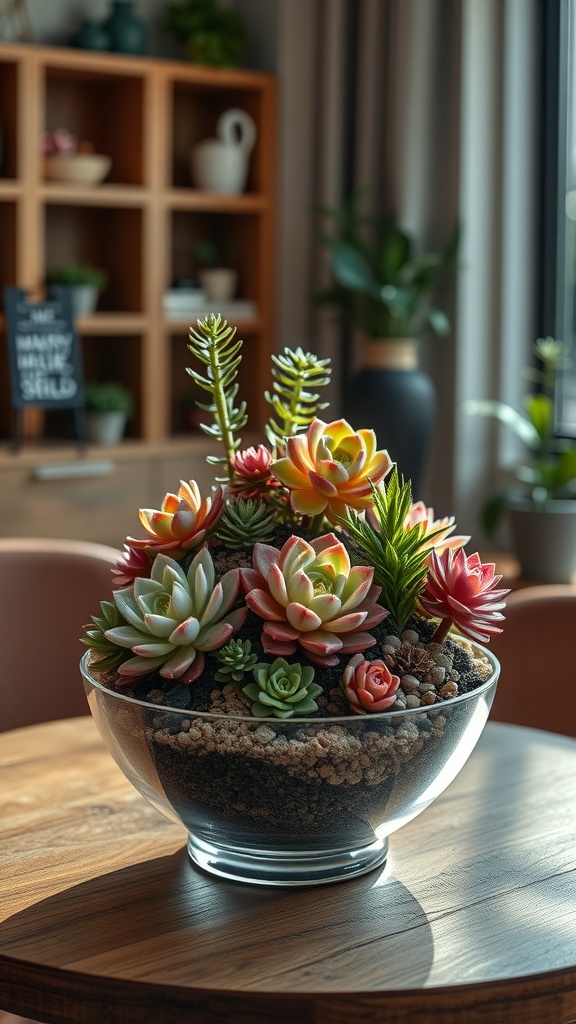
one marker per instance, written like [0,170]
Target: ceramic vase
[218,283]
[221,164]
[126,30]
[91,36]
[105,428]
[544,540]
[394,397]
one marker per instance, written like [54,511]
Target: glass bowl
[290,802]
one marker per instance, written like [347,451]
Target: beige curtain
[369,96]
[433,103]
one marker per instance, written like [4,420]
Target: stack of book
[185,303]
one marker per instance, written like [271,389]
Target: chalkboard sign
[43,353]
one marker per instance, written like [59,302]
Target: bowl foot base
[286,868]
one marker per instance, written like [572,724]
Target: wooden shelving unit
[140,224]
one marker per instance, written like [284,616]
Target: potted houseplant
[107,407]
[541,505]
[213,35]
[85,281]
[292,667]
[218,279]
[384,289]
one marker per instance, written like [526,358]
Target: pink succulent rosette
[369,685]
[436,533]
[182,522]
[252,472]
[329,468]
[135,562]
[461,590]
[311,597]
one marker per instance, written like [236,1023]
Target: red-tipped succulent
[462,591]
[311,597]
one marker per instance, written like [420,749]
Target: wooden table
[103,917]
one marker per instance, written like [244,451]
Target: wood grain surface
[103,917]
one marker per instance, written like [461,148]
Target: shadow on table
[164,919]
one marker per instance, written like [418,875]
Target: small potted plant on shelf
[293,665]
[541,506]
[213,35]
[72,161]
[107,407]
[218,279]
[386,290]
[85,282]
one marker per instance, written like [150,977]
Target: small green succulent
[245,523]
[236,659]
[109,654]
[282,689]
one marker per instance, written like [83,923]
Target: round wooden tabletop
[103,916]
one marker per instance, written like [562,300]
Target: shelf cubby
[138,225]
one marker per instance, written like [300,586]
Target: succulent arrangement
[307,583]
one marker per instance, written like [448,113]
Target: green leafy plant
[213,35]
[295,407]
[550,471]
[74,273]
[210,254]
[381,285]
[108,396]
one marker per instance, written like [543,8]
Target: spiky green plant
[245,523]
[236,659]
[282,689]
[109,654]
[397,554]
[294,372]
[213,345]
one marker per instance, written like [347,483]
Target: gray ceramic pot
[544,541]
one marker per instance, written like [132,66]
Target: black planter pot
[397,399]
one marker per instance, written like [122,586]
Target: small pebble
[448,690]
[428,698]
[409,683]
[410,636]
[412,701]
[437,675]
[391,640]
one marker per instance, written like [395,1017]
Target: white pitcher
[221,164]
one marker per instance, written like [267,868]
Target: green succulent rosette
[282,689]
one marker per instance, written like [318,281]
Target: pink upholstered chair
[537,651]
[49,589]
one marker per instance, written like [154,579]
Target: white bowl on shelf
[77,168]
